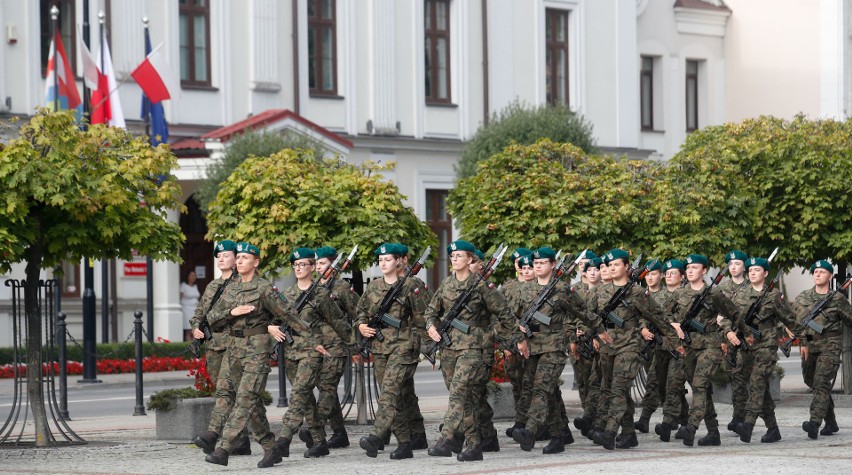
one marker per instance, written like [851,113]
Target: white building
[410,81]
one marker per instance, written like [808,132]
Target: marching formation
[620,316]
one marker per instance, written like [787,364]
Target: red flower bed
[149,365]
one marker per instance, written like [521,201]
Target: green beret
[302,253]
[544,253]
[402,248]
[697,259]
[757,261]
[222,246]
[615,254]
[654,264]
[246,248]
[594,262]
[525,260]
[520,252]
[675,264]
[460,245]
[735,255]
[388,248]
[479,255]
[326,252]
[822,264]
[590,255]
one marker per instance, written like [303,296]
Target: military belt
[249,332]
[476,323]
[818,337]
[552,328]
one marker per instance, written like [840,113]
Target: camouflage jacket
[773,310]
[408,308]
[715,304]
[731,289]
[485,309]
[566,309]
[421,300]
[220,330]
[832,318]
[345,297]
[325,318]
[635,309]
[511,290]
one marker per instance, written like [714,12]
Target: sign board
[135,269]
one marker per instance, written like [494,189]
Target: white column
[833,45]
[264,46]
[382,52]
[168,317]
[627,90]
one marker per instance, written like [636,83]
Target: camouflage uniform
[702,357]
[582,367]
[305,364]
[334,366]
[588,378]
[246,364]
[462,363]
[514,364]
[411,402]
[824,350]
[745,358]
[395,359]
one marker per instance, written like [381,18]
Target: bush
[112,351]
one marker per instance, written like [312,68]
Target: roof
[270,116]
[716,5]
[189,148]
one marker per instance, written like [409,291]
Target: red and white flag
[106,105]
[66,97]
[155,77]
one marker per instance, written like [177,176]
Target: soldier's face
[673,278]
[303,268]
[527,273]
[736,267]
[617,269]
[822,276]
[322,264]
[604,270]
[653,278]
[543,267]
[593,275]
[225,260]
[757,275]
[695,272]
[246,263]
[388,263]
[460,260]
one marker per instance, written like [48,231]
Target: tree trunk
[35,388]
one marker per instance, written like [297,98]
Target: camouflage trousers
[657,386]
[819,372]
[739,381]
[583,369]
[303,375]
[395,376]
[328,404]
[463,372]
[593,388]
[242,380]
[411,412]
[700,364]
[514,366]
[213,361]
[675,406]
[544,371]
[625,366]
[485,413]
[606,362]
[760,401]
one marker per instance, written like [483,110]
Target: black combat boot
[567,436]
[207,441]
[642,424]
[442,448]
[403,451]
[830,427]
[711,439]
[372,445]
[627,442]
[583,425]
[606,439]
[689,435]
[681,432]
[270,458]
[812,428]
[490,444]
[283,446]
[744,429]
[556,446]
[457,444]
[419,442]
[338,440]
[732,426]
[471,454]
[525,438]
[518,425]
[772,435]
[542,435]
[305,436]
[664,430]
[386,439]
[219,457]
[320,449]
[242,446]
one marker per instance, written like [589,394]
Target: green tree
[250,143]
[554,194]
[525,125]
[291,199]
[69,193]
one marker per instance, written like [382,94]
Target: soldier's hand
[681,350]
[724,347]
[803,351]
[580,332]
[719,319]
[647,335]
[242,310]
[366,330]
[276,332]
[605,338]
[357,359]
[508,355]
[789,333]
[322,350]
[597,344]
[524,349]
[573,348]
[678,329]
[197,334]
[732,337]
[433,333]
[750,340]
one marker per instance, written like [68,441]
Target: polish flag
[155,77]
[106,105]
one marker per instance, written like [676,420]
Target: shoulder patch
[426,286]
[647,292]
[491,285]
[416,290]
[352,290]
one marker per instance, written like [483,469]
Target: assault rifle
[382,319]
[651,344]
[585,346]
[308,293]
[285,328]
[634,276]
[450,319]
[751,318]
[195,346]
[820,306]
[533,311]
[689,323]
[335,269]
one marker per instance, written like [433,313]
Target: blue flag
[159,127]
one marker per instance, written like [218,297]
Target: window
[70,279]
[691,96]
[437,41]
[441,224]
[194,24]
[322,48]
[66,31]
[556,45]
[646,84]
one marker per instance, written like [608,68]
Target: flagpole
[104,262]
[54,20]
[149,263]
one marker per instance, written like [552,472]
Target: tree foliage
[291,199]
[250,143]
[525,125]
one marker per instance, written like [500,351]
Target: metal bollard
[282,378]
[137,323]
[63,362]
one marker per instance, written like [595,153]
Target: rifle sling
[818,337]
